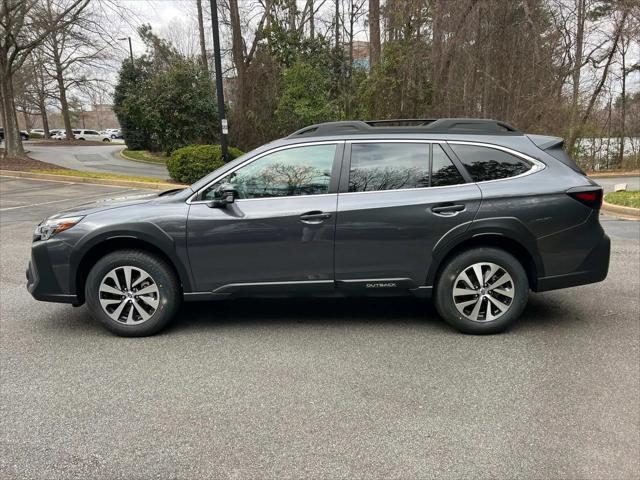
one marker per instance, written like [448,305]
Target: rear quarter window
[486,163]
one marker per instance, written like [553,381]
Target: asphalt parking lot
[316,388]
[95,158]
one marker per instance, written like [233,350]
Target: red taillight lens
[590,198]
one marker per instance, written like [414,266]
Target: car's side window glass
[443,171]
[388,166]
[290,172]
[484,163]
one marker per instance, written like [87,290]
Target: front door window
[285,173]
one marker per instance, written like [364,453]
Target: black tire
[106,140]
[162,275]
[444,299]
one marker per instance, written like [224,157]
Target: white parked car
[39,131]
[90,135]
[113,133]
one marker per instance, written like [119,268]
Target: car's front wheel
[132,293]
[482,291]
[106,140]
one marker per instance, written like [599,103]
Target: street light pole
[224,128]
[130,48]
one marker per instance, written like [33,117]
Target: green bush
[189,164]
[35,136]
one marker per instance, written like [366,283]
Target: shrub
[35,136]
[189,164]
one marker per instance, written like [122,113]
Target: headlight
[50,227]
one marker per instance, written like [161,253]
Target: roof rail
[409,125]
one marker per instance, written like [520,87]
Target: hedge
[189,164]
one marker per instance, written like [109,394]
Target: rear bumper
[42,283]
[592,270]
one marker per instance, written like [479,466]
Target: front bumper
[593,269]
[42,283]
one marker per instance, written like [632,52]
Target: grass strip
[626,199]
[145,156]
[103,176]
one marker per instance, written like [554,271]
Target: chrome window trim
[242,200]
[536,165]
[226,286]
[409,189]
[395,140]
[190,200]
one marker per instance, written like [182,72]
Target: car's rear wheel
[106,140]
[132,293]
[482,291]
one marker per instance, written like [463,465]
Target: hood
[107,204]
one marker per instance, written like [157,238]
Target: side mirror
[225,195]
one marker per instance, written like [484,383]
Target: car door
[397,199]
[278,235]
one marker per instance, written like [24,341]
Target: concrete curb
[92,181]
[627,212]
[612,174]
[124,157]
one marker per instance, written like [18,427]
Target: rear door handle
[447,210]
[315,216]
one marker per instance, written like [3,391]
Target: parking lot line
[62,201]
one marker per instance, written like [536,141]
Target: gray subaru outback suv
[470,212]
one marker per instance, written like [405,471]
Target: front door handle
[314,217]
[447,210]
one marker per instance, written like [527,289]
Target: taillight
[591,197]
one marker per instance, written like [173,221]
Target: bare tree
[74,54]
[374,33]
[203,45]
[22,30]
[608,59]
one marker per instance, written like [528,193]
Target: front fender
[145,232]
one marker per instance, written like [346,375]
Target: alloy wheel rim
[129,295]
[483,292]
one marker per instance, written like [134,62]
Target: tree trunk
[45,120]
[337,32]
[374,33]
[12,141]
[312,20]
[292,15]
[623,105]
[577,68]
[28,124]
[237,55]
[64,104]
[203,46]
[596,92]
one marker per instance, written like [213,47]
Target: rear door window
[397,166]
[485,163]
[388,166]
[443,171]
